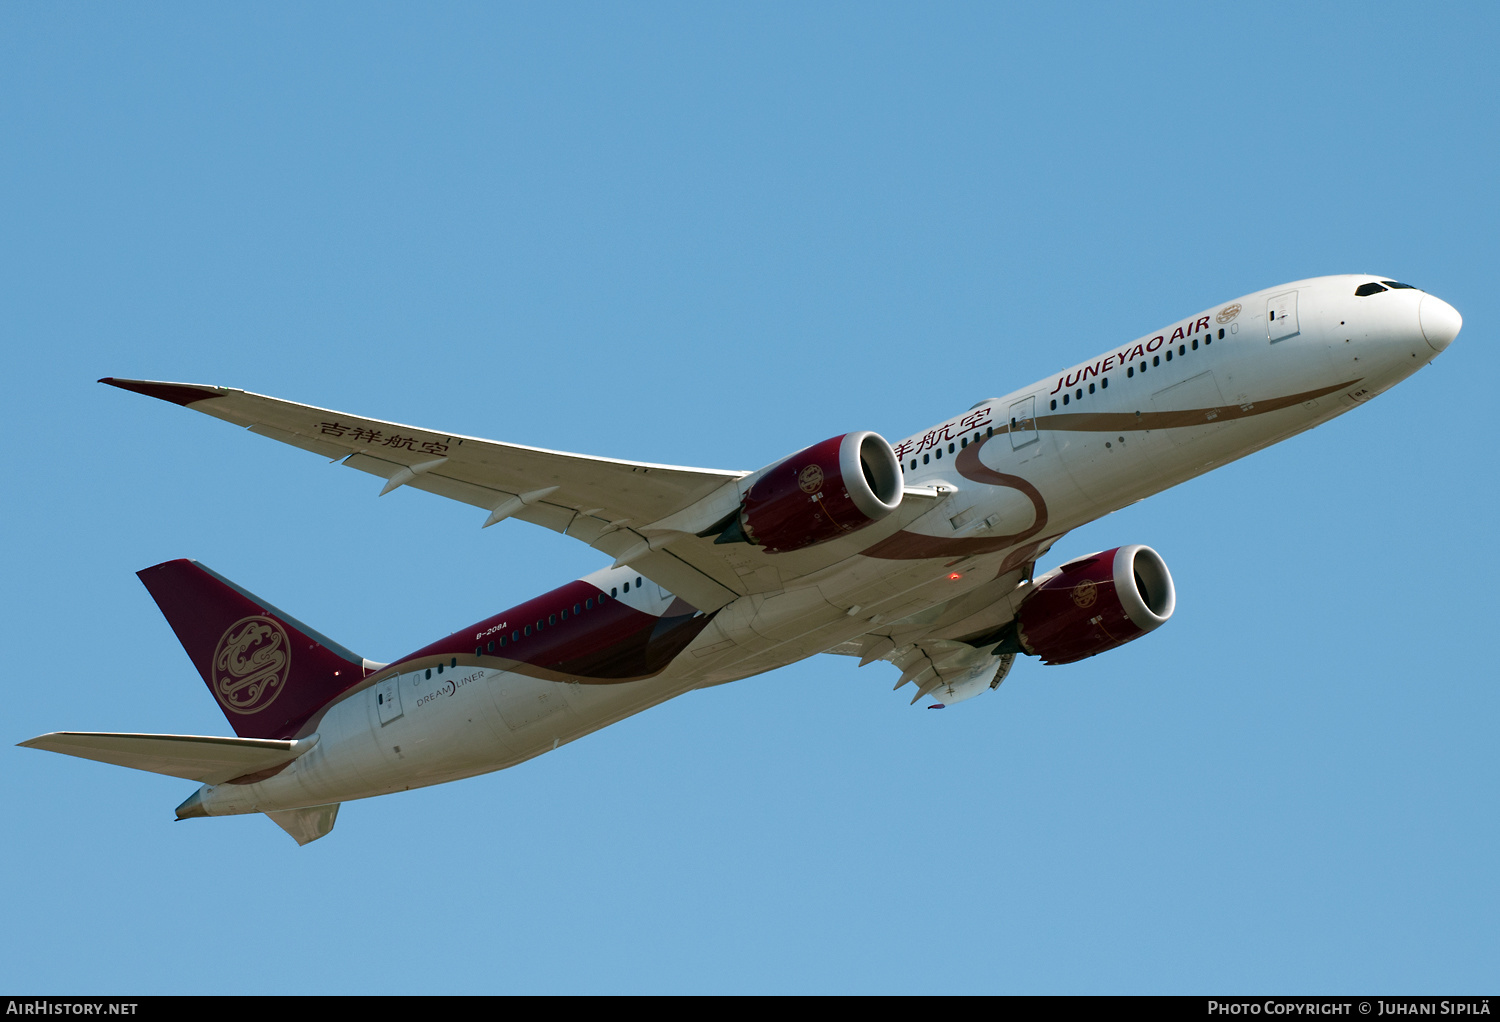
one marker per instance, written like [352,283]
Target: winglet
[178,393]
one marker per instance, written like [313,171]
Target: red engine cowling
[824,492]
[1096,603]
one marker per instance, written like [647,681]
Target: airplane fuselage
[999,483]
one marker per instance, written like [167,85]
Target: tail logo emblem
[251,664]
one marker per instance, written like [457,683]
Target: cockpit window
[1365,290]
[1392,283]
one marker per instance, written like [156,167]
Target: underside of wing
[603,502]
[949,652]
[657,518]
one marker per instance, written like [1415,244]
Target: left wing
[950,654]
[947,669]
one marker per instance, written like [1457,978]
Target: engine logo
[1085,593]
[810,479]
[251,664]
[1228,312]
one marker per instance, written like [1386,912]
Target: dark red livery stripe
[611,642]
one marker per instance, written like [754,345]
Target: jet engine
[826,491]
[1095,603]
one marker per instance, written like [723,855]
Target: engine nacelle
[821,493]
[1096,603]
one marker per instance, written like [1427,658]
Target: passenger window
[990,431]
[502,642]
[588,604]
[538,624]
[1065,399]
[1366,290]
[1182,348]
[429,674]
[963,442]
[1221,333]
[516,636]
[440,668]
[491,645]
[1156,360]
[950,448]
[526,630]
[638,581]
[1054,404]
[1078,393]
[577,609]
[627,587]
[552,619]
[938,454]
[1130,372]
[926,458]
[1169,354]
[1091,388]
[1195,344]
[1104,383]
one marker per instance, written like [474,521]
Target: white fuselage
[1226,389]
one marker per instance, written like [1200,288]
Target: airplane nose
[1440,322]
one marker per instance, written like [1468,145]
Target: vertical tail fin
[268,671]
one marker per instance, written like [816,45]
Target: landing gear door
[1281,316]
[1023,422]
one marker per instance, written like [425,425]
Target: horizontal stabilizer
[202,758]
[306,824]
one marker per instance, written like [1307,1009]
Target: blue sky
[712,235]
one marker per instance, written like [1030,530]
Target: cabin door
[1281,316]
[388,700]
[1023,422]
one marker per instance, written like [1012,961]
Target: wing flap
[206,758]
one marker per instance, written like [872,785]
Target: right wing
[649,516]
[602,501]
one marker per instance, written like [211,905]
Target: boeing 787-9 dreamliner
[922,553]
